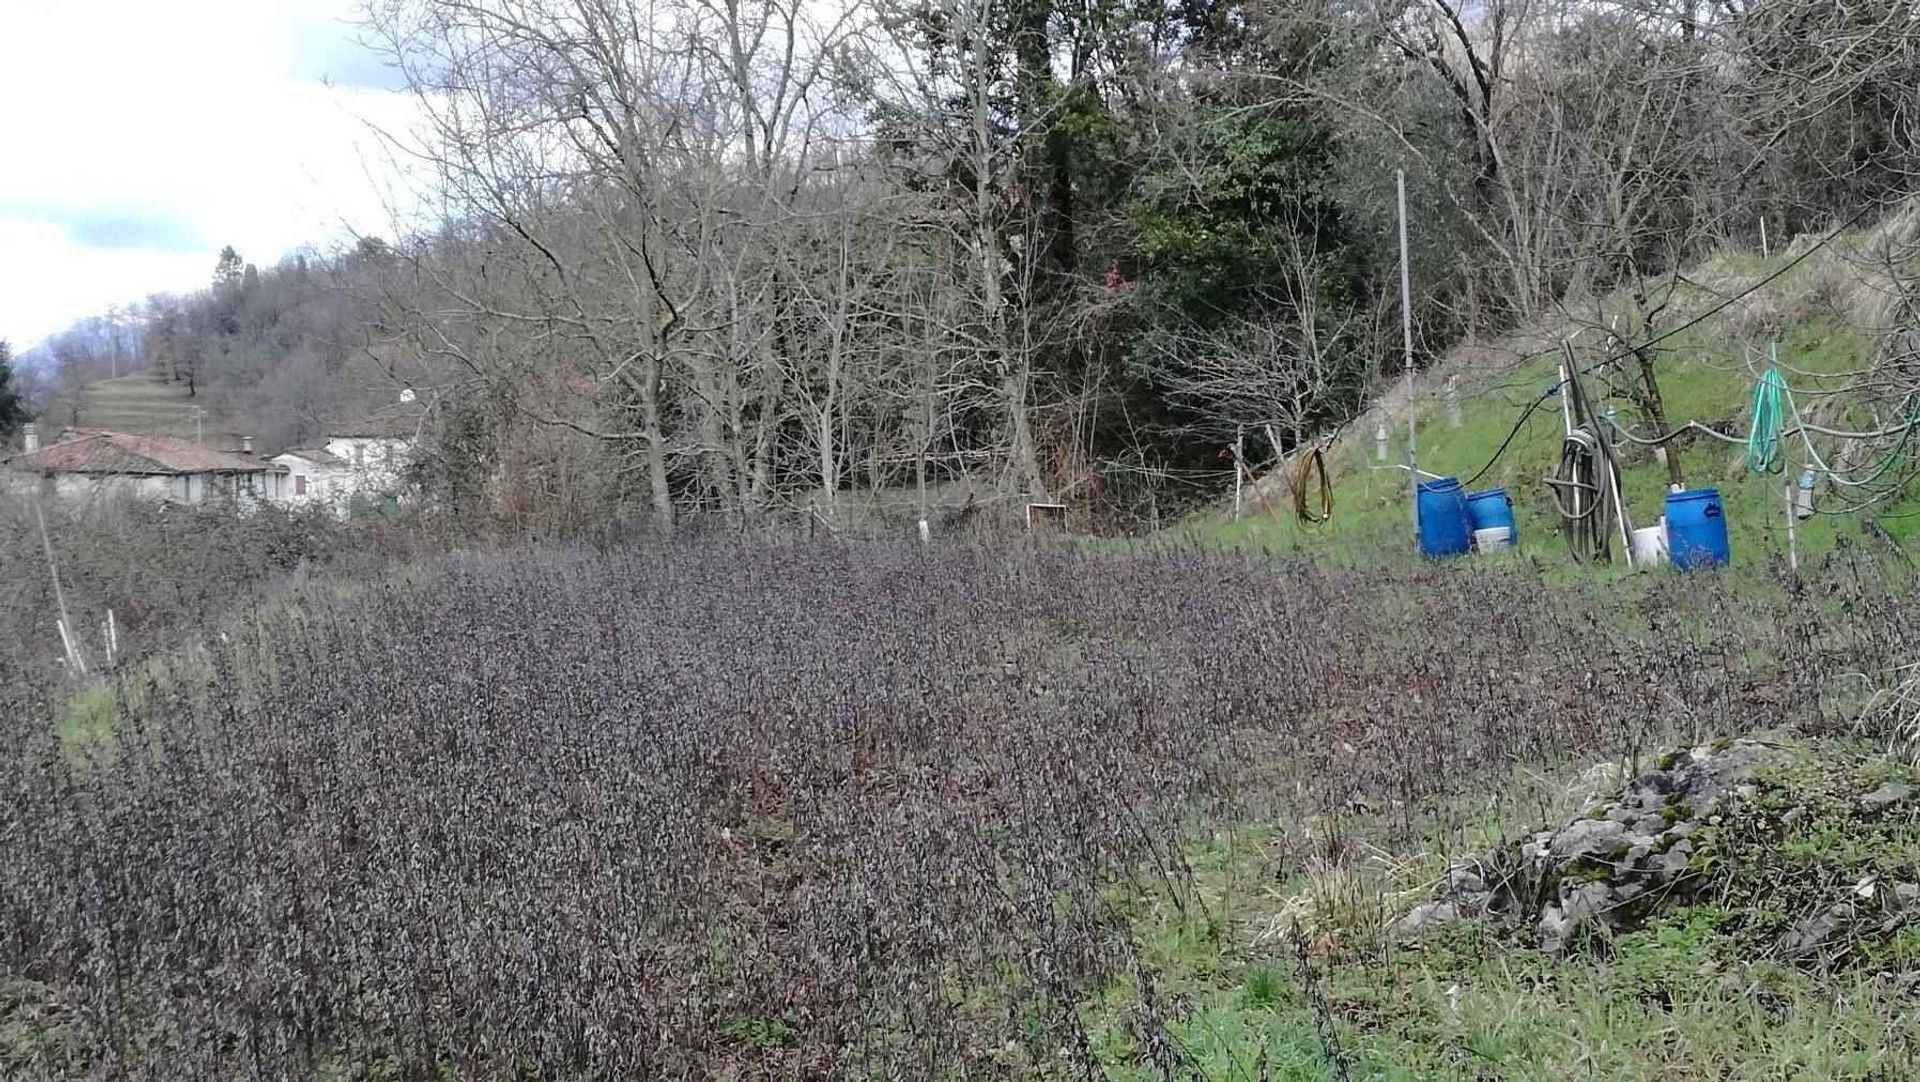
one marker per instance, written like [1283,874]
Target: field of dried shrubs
[786,811]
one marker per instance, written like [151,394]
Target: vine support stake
[1239,467]
[1406,342]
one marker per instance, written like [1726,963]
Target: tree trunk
[1657,414]
[1023,457]
[656,443]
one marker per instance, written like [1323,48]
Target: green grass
[144,404]
[1706,373]
[1693,995]
[86,726]
[1464,1008]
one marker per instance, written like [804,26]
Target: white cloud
[138,138]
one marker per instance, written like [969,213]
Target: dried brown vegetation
[778,811]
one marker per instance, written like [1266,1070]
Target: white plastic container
[1650,545]
[1491,538]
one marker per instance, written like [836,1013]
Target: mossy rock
[1802,845]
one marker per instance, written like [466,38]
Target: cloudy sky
[138,137]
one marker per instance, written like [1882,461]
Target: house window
[299,484]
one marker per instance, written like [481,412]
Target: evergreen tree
[229,269]
[13,411]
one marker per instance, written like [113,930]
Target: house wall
[81,486]
[246,490]
[86,486]
[249,491]
[375,464]
[327,486]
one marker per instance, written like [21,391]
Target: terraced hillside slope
[144,404]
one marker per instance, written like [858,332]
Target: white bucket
[1493,537]
[1650,545]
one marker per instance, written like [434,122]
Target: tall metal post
[1786,498]
[1406,336]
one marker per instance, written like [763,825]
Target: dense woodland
[694,258]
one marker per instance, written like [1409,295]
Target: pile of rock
[1611,867]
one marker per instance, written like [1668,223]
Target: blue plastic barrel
[1445,529]
[1491,508]
[1697,529]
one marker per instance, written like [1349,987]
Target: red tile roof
[315,455]
[119,452]
[400,420]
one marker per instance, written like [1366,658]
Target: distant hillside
[267,352]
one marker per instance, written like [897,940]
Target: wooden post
[1583,411]
[69,640]
[1239,467]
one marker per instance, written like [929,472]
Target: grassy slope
[146,405]
[1692,996]
[1706,373]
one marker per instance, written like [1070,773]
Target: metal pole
[1764,253]
[1786,498]
[1566,419]
[1406,336]
[1620,509]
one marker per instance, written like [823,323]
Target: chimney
[246,445]
[31,433]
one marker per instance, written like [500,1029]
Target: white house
[312,477]
[95,462]
[362,457]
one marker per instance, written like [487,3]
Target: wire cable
[1525,414]
[1654,441]
[1831,236]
